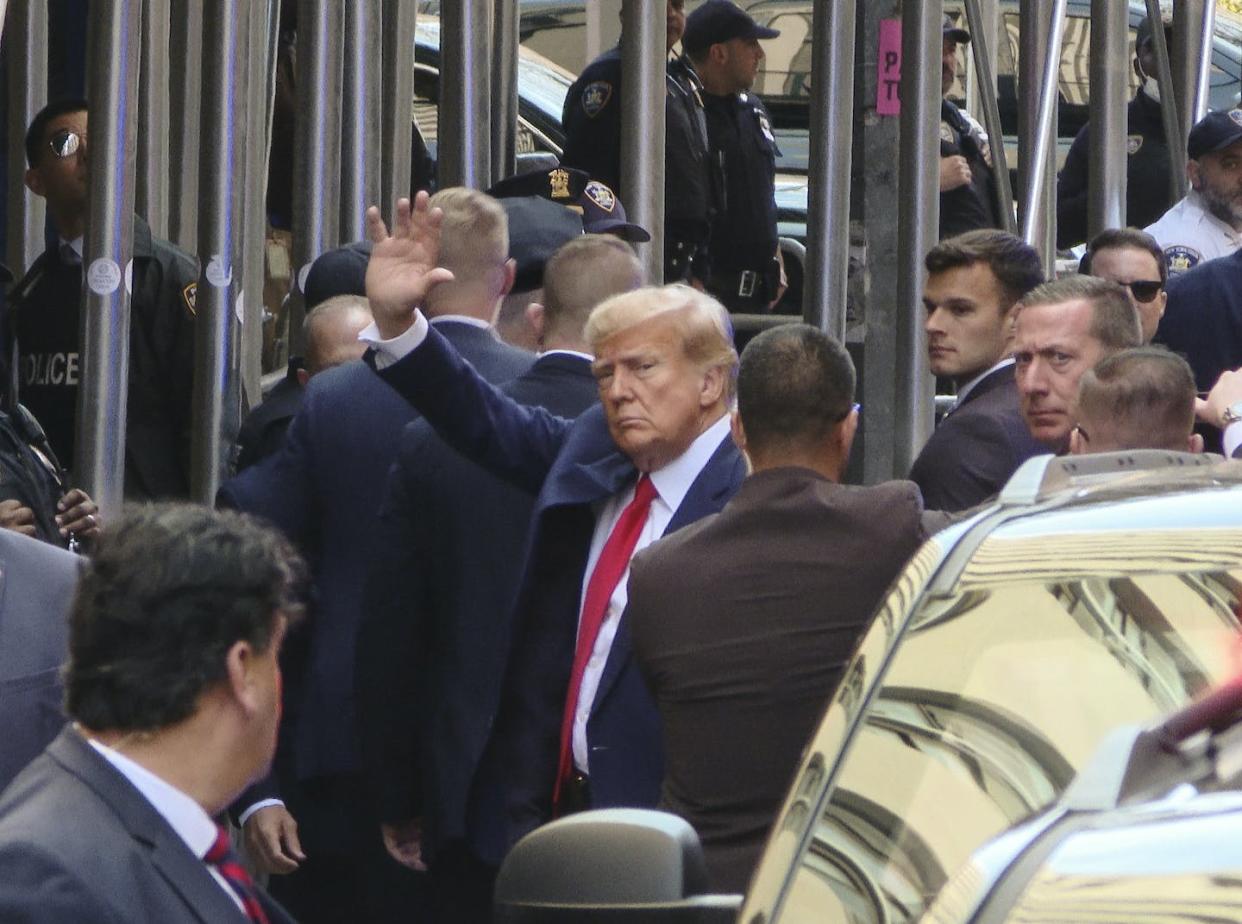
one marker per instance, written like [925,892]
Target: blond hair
[474,237]
[584,273]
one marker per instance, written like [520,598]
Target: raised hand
[402,269]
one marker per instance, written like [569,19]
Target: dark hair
[1114,320]
[1013,262]
[1144,398]
[35,142]
[794,384]
[171,588]
[1124,239]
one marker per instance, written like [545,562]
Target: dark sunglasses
[1144,289]
[66,143]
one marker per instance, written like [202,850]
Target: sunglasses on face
[1144,289]
[66,143]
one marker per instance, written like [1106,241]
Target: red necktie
[613,562]
[221,856]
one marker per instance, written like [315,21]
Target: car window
[954,747]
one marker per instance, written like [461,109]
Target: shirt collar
[969,386]
[75,246]
[1196,199]
[183,814]
[460,319]
[587,356]
[673,481]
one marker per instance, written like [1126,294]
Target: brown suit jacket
[742,624]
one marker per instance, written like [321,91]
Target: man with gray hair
[576,726]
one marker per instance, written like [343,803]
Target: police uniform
[30,473]
[1147,170]
[1189,234]
[47,305]
[745,275]
[592,121]
[973,205]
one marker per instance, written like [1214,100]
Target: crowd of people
[558,546]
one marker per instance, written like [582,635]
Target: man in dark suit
[324,490]
[1203,321]
[973,281]
[1223,408]
[434,640]
[573,704]
[36,588]
[173,684]
[771,595]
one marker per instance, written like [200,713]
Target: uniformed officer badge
[601,195]
[558,181]
[1236,115]
[1133,143]
[947,134]
[1181,258]
[189,294]
[765,126]
[595,97]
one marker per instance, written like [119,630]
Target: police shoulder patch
[1133,143]
[1181,258]
[595,97]
[1236,115]
[947,134]
[189,294]
[601,195]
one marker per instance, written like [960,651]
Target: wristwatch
[1232,414]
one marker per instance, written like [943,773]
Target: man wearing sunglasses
[45,320]
[1132,259]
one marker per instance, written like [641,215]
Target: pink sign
[888,84]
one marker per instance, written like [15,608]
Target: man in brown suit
[742,623]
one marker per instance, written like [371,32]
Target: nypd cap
[1215,131]
[721,21]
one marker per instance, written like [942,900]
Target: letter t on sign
[888,82]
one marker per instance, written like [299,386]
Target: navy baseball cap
[537,229]
[721,21]
[958,34]
[342,271]
[1215,131]
[603,213]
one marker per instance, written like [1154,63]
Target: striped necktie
[222,857]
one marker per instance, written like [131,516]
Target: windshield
[1000,691]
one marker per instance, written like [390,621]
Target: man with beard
[1208,222]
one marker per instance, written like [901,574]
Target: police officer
[722,42]
[1147,149]
[47,305]
[1207,223]
[592,120]
[968,197]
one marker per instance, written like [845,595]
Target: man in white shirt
[576,726]
[1207,223]
[173,684]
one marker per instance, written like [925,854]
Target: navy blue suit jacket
[435,632]
[324,490]
[572,465]
[1203,320]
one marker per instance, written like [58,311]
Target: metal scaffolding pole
[832,139]
[464,134]
[112,81]
[1110,90]
[1168,104]
[1193,25]
[397,84]
[1203,75]
[643,53]
[985,84]
[918,219]
[151,191]
[1041,28]
[360,130]
[25,42]
[988,24]
[317,149]
[184,47]
[214,334]
[505,31]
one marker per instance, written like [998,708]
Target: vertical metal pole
[184,47]
[400,19]
[1040,29]
[985,21]
[464,135]
[643,52]
[1110,88]
[1168,103]
[985,83]
[1193,25]
[1203,77]
[217,235]
[151,194]
[25,40]
[832,140]
[504,88]
[360,130]
[112,79]
[918,219]
[316,155]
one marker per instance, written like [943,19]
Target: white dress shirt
[1232,438]
[1189,234]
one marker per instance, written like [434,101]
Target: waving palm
[402,269]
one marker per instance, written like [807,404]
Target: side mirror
[610,864]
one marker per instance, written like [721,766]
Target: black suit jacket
[78,843]
[742,624]
[976,448]
[435,633]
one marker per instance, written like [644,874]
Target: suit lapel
[987,384]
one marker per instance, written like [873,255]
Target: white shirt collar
[673,481]
[183,814]
[969,386]
[75,245]
[587,356]
[460,319]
